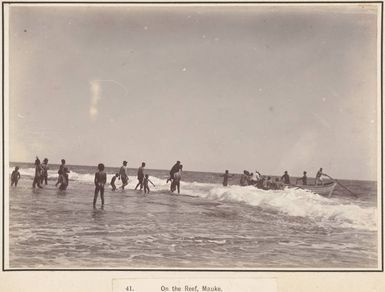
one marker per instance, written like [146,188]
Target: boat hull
[323,190]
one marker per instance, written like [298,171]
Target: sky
[256,87]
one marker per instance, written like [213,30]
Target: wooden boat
[323,190]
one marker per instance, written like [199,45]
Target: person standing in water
[140,176]
[123,174]
[226,177]
[65,179]
[146,180]
[113,181]
[286,178]
[176,180]
[38,173]
[100,181]
[15,176]
[61,172]
[174,170]
[44,176]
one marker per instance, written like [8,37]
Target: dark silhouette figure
[175,184]
[123,174]
[38,173]
[113,181]
[140,176]
[303,179]
[44,175]
[226,177]
[15,176]
[174,170]
[100,181]
[146,180]
[286,178]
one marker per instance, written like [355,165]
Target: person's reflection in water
[98,215]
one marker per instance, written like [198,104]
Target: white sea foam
[292,202]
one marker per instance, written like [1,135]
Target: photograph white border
[288,280]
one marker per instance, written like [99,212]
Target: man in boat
[254,178]
[268,183]
[278,185]
[258,175]
[226,177]
[251,179]
[318,177]
[285,178]
[303,179]
[244,178]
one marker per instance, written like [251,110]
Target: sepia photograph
[192,136]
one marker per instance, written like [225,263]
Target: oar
[341,185]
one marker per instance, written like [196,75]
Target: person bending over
[113,181]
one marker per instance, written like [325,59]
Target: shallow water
[208,226]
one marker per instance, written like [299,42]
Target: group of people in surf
[41,176]
[143,179]
[247,178]
[268,183]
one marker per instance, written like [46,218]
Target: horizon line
[216,172]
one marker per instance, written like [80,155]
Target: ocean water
[207,226]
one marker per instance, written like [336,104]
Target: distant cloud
[95,90]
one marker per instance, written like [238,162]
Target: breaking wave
[290,201]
